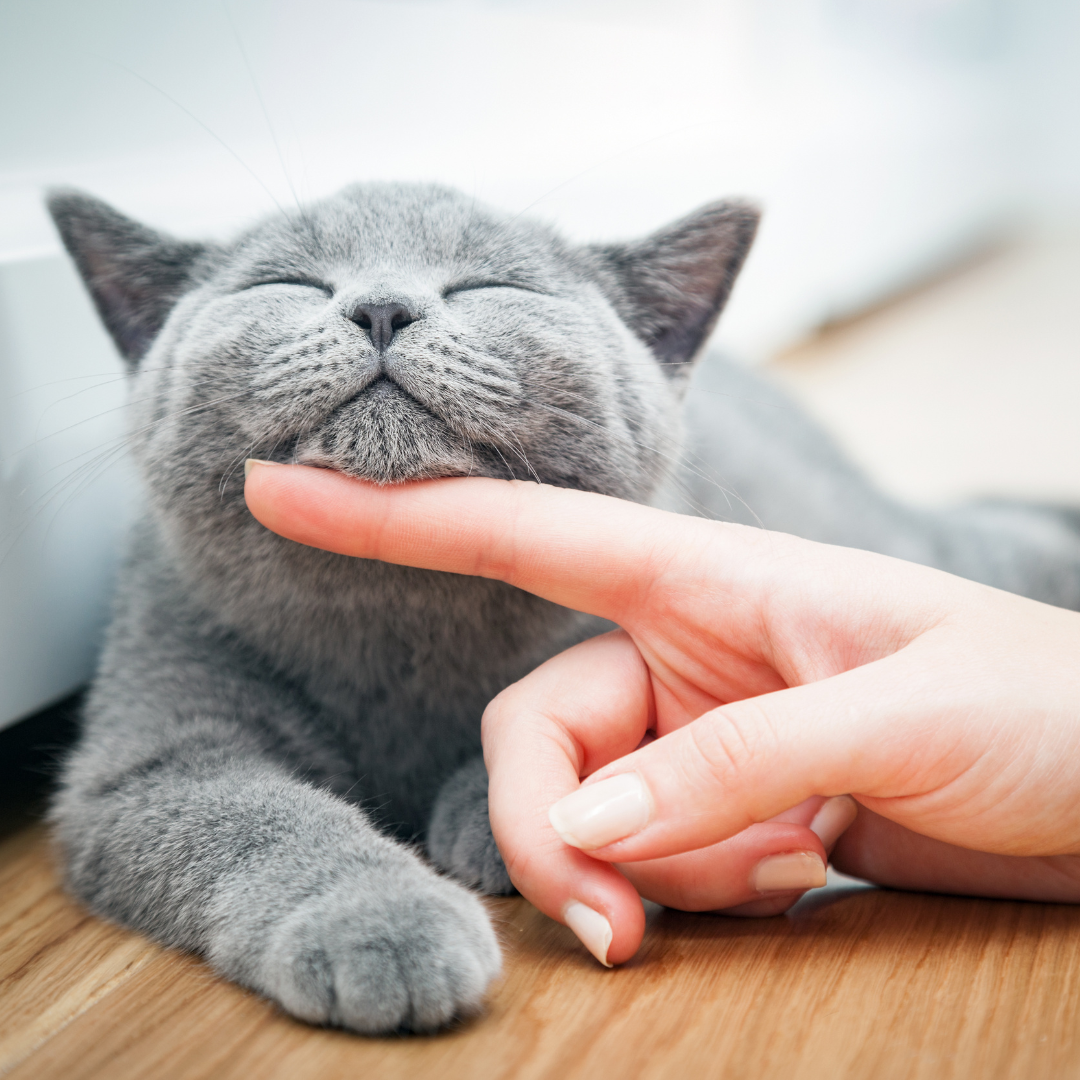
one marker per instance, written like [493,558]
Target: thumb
[748,761]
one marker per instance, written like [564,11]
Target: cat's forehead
[410,227]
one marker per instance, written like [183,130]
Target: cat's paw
[459,837]
[400,950]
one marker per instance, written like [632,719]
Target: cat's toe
[414,958]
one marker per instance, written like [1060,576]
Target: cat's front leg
[459,837]
[285,888]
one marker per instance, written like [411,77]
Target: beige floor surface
[969,386]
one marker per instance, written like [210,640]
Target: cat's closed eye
[476,285]
[300,283]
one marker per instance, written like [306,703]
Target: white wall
[882,136]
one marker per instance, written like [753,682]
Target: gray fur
[459,836]
[273,727]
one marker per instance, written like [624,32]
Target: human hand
[776,673]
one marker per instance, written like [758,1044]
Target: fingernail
[787,872]
[599,814]
[832,818]
[251,462]
[591,927]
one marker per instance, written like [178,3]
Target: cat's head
[398,331]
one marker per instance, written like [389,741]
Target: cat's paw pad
[398,952]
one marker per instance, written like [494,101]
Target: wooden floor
[855,983]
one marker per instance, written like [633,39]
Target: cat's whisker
[520,451]
[209,131]
[262,105]
[234,465]
[33,444]
[110,377]
[123,377]
[85,473]
[77,480]
[494,446]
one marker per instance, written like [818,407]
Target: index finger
[585,551]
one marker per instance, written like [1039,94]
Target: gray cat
[274,731]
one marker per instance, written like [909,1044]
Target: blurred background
[915,283]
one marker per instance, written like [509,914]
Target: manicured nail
[251,462]
[788,872]
[832,818]
[599,814]
[591,927]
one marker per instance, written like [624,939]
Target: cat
[280,764]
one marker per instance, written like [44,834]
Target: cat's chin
[380,467]
[386,476]
[386,436]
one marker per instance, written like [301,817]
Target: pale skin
[767,703]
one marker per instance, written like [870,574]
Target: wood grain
[857,983]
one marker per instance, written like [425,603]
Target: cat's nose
[381,321]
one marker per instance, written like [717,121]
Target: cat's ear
[670,287]
[135,275]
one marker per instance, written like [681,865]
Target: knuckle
[731,743]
